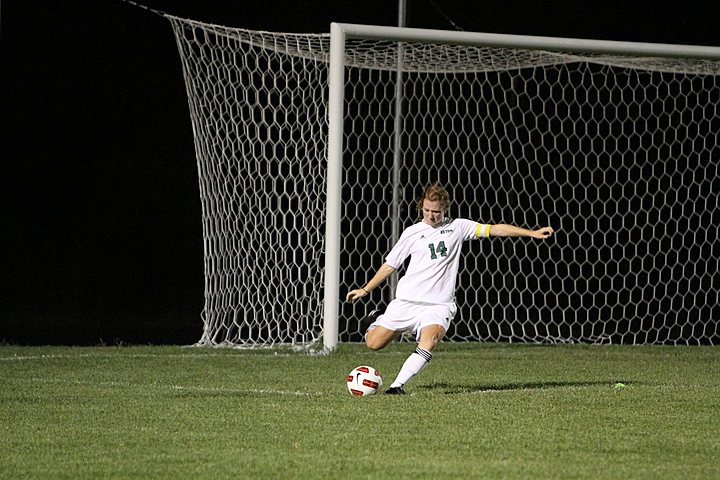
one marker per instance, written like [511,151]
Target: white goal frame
[340,32]
[311,149]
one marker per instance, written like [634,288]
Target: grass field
[477,411]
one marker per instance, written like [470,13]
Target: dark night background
[100,224]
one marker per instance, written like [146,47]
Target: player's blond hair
[435,193]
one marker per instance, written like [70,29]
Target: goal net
[619,153]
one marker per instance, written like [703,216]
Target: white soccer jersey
[435,258]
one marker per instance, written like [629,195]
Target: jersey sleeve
[472,229]
[400,251]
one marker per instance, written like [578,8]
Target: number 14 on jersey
[440,250]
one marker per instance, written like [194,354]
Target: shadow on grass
[451,389]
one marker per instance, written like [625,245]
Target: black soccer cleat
[367,320]
[395,391]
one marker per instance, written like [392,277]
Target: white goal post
[305,179]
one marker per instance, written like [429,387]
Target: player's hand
[355,294]
[544,232]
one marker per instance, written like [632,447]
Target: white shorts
[403,316]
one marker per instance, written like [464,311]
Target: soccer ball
[363,381]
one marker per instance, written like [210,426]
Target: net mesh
[619,154]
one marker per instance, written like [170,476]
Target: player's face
[433,213]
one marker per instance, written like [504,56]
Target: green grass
[477,411]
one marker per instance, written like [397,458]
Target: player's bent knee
[378,338]
[373,343]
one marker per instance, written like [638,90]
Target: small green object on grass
[619,386]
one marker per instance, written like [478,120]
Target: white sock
[412,366]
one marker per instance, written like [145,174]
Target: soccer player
[425,297]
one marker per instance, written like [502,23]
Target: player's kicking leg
[378,337]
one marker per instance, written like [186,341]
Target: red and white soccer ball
[364,380]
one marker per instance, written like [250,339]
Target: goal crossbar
[528,42]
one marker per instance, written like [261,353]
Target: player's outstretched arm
[383,272]
[504,230]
